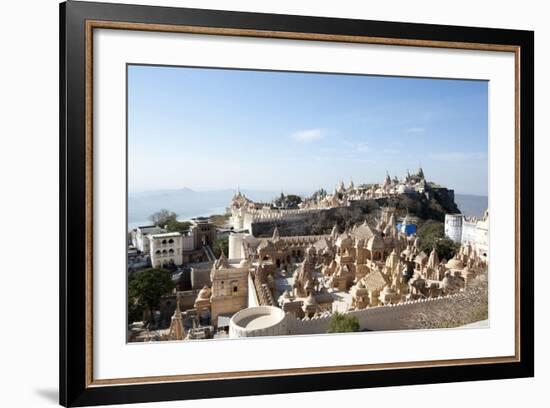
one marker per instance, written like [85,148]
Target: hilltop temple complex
[281,285]
[342,195]
[245,213]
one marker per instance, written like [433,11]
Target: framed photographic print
[256,203]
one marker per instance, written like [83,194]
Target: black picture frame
[74,389]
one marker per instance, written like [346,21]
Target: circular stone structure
[258,321]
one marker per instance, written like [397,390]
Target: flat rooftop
[166,235]
[258,321]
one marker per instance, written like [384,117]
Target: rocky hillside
[432,206]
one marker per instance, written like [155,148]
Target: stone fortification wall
[391,317]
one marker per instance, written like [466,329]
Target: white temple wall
[482,238]
[252,296]
[235,243]
[236,221]
[453,226]
[469,231]
[247,220]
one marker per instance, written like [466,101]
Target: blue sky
[209,129]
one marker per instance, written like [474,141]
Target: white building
[165,249]
[184,246]
[140,238]
[474,231]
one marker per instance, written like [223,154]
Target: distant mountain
[185,202]
[472,205]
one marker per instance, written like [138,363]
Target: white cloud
[307,135]
[352,147]
[363,148]
[416,130]
[458,156]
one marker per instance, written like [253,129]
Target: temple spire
[176,325]
[433,260]
[221,262]
[334,232]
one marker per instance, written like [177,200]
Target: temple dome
[204,293]
[455,264]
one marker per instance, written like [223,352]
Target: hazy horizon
[243,190]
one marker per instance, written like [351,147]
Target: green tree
[177,226]
[145,289]
[169,220]
[290,201]
[293,200]
[340,323]
[163,217]
[446,248]
[432,235]
[221,245]
[431,229]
